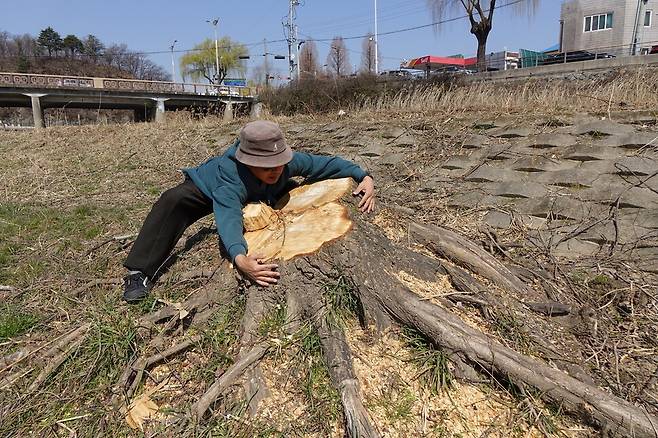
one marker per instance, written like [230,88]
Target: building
[618,27]
[504,60]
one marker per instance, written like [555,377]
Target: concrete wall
[571,68]
[625,13]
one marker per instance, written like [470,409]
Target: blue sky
[151,26]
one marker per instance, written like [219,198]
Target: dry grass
[65,190]
[619,90]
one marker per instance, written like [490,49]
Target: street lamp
[299,44]
[173,65]
[376,49]
[214,22]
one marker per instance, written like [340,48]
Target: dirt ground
[73,198]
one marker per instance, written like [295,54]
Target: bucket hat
[262,144]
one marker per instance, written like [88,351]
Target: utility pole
[292,37]
[639,24]
[299,61]
[266,64]
[376,49]
[173,65]
[214,22]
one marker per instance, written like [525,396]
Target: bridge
[148,99]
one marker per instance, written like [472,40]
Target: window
[647,18]
[600,22]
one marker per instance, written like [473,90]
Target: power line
[353,37]
[422,26]
[327,41]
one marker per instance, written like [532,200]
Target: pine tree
[50,40]
[73,45]
[93,47]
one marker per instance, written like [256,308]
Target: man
[257,168]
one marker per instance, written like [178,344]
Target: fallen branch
[75,293]
[111,239]
[58,359]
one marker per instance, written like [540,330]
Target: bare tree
[480,14]
[368,55]
[308,60]
[338,61]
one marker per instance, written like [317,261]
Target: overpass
[148,99]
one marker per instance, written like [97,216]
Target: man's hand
[253,268]
[367,188]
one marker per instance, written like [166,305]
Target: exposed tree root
[338,357]
[452,246]
[179,316]
[229,378]
[255,388]
[450,333]
[367,261]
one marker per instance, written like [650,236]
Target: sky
[150,26]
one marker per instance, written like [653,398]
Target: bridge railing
[130,85]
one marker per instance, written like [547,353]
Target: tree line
[24,52]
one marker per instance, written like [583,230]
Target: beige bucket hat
[262,144]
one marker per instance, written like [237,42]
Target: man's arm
[227,206]
[318,167]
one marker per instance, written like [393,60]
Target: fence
[529,58]
[131,85]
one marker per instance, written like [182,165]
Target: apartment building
[619,27]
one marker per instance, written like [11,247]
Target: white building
[619,27]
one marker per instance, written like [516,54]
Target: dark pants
[177,209]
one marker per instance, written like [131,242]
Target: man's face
[268,175]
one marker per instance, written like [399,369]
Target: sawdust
[390,226]
[427,290]
[401,407]
[437,292]
[285,408]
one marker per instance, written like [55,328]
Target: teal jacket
[231,186]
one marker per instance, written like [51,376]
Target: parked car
[653,50]
[451,70]
[578,55]
[396,74]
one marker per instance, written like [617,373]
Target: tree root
[449,332]
[196,310]
[254,387]
[452,246]
[229,378]
[338,358]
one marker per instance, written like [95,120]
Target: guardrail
[116,84]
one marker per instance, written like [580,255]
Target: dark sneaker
[136,287]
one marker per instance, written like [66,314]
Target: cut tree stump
[370,261]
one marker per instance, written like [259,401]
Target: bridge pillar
[37,111]
[228,111]
[160,110]
[256,110]
[141,114]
